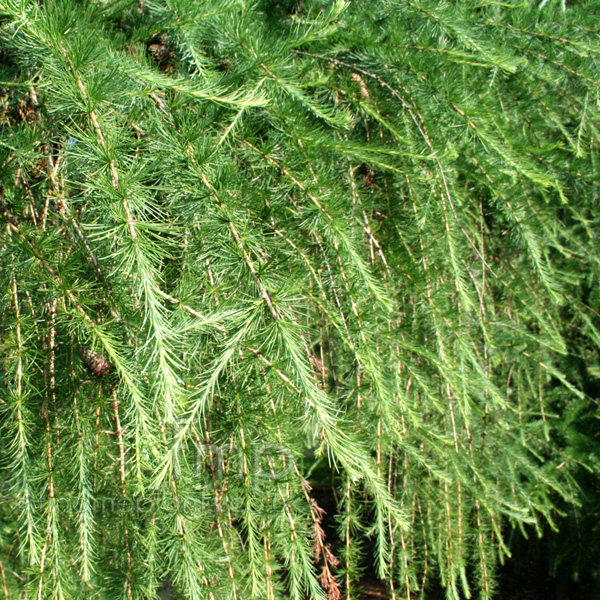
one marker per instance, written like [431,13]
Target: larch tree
[244,241]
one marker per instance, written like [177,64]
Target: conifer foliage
[246,241]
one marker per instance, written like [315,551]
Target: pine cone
[159,50]
[96,364]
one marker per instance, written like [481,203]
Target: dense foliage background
[250,245]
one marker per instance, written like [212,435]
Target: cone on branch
[96,364]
